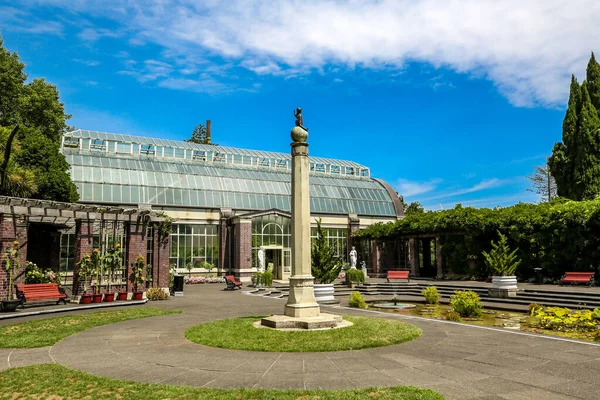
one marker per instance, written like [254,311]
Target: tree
[574,162]
[31,161]
[325,264]
[200,135]
[414,208]
[543,183]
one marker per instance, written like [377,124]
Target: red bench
[40,291]
[232,283]
[398,275]
[578,277]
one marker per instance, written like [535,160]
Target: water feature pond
[496,318]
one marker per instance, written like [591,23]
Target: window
[71,143]
[319,167]
[219,157]
[364,172]
[194,244]
[123,147]
[199,155]
[350,171]
[147,150]
[98,145]
[179,153]
[264,161]
[335,169]
[282,163]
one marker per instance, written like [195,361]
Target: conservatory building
[225,202]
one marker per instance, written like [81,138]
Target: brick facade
[243,249]
[162,254]
[375,256]
[12,228]
[136,246]
[84,244]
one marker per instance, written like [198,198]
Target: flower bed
[195,280]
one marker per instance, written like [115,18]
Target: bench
[398,275]
[40,291]
[578,277]
[232,283]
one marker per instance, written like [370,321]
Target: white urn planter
[324,293]
[503,286]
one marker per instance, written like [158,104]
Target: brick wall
[161,259]
[375,256]
[84,244]
[136,246]
[12,228]
[243,249]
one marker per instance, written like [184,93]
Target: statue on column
[353,258]
[299,121]
[261,259]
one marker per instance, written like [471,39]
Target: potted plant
[502,263]
[113,259]
[354,276]
[138,277]
[11,265]
[84,270]
[97,268]
[325,266]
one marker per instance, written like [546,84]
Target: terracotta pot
[122,296]
[86,299]
[97,298]
[109,297]
[138,295]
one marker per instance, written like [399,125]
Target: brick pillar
[223,265]
[84,243]
[12,228]
[413,257]
[375,256]
[243,250]
[438,258]
[162,256]
[136,246]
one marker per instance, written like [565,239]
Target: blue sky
[451,102]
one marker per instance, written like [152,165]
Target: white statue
[363,265]
[353,258]
[261,259]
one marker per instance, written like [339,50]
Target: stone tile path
[459,361]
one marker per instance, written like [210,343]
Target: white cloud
[89,63]
[528,49]
[92,35]
[408,188]
[483,185]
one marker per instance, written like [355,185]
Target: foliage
[166,225]
[414,208]
[155,293]
[239,334]
[11,266]
[35,166]
[575,162]
[466,303]
[500,260]
[206,265]
[543,183]
[139,266]
[557,236]
[112,260]
[55,381]
[325,264]
[533,308]
[49,331]
[564,319]
[85,270]
[201,279]
[431,295]
[355,275]
[357,300]
[96,259]
[262,278]
[34,274]
[452,316]
[200,135]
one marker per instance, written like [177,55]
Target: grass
[239,334]
[49,331]
[53,381]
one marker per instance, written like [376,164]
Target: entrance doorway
[280,257]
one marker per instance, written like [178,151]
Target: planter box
[122,296]
[503,287]
[97,298]
[86,298]
[109,297]
[324,293]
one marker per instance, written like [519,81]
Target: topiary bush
[453,316]
[267,278]
[431,295]
[355,275]
[357,300]
[466,303]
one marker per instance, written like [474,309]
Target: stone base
[502,293]
[178,294]
[322,321]
[302,310]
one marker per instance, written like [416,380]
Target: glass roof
[126,179]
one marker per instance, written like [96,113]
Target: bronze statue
[298,115]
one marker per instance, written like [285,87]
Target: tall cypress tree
[592,77]
[586,156]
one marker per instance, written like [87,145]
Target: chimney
[208,131]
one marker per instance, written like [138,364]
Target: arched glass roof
[128,177]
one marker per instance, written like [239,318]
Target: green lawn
[239,334]
[53,381]
[47,332]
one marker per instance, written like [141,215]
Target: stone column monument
[301,310]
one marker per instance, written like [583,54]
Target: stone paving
[459,361]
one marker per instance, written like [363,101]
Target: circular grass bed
[240,334]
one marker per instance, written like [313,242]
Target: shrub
[156,294]
[357,300]
[500,260]
[431,295]
[262,278]
[534,308]
[196,280]
[564,319]
[355,275]
[466,304]
[325,263]
[453,316]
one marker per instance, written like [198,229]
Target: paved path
[459,361]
